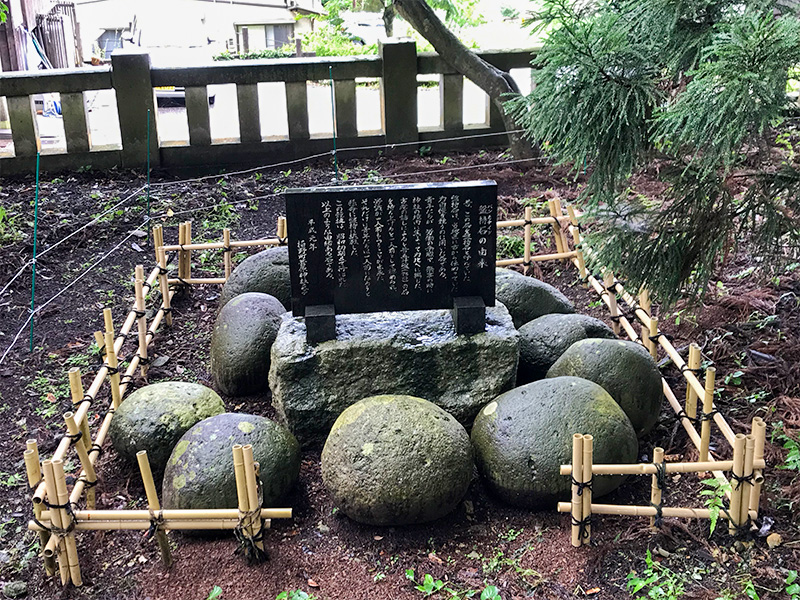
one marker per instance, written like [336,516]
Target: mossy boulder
[523,437]
[266,272]
[527,298]
[199,472]
[154,418]
[396,460]
[623,369]
[544,339]
[241,342]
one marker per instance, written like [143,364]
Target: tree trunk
[490,79]
[388,19]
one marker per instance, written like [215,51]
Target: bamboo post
[181,252]
[141,318]
[759,430]
[655,483]
[113,372]
[608,284]
[154,505]
[108,321]
[576,234]
[736,491]
[653,344]
[33,468]
[693,364]
[588,460]
[83,456]
[56,520]
[556,226]
[577,490]
[76,391]
[527,234]
[158,239]
[646,306]
[563,234]
[226,252]
[66,521]
[164,285]
[188,257]
[708,407]
[281,230]
[101,344]
[241,491]
[747,479]
[252,494]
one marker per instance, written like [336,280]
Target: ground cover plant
[748,325]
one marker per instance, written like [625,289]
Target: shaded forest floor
[748,326]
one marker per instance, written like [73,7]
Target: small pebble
[774,540]
[15,589]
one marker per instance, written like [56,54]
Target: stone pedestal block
[413,353]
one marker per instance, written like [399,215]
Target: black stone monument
[392,248]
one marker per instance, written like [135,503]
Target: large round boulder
[266,272]
[241,342]
[527,298]
[154,418]
[199,471]
[544,339]
[623,369]
[396,460]
[523,437]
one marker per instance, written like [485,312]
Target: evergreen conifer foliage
[690,93]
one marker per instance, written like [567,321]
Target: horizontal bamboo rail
[533,221]
[648,511]
[198,281]
[167,524]
[507,262]
[221,245]
[177,514]
[650,468]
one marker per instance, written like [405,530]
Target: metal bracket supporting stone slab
[469,315]
[320,323]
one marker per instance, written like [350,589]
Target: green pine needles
[689,97]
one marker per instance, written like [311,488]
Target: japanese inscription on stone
[394,247]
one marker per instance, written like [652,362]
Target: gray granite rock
[411,353]
[527,298]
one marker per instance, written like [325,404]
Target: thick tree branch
[490,79]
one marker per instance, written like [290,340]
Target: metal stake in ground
[333,119]
[33,263]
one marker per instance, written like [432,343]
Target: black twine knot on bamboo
[87,398]
[73,437]
[527,263]
[126,379]
[616,318]
[226,248]
[693,420]
[527,222]
[583,526]
[686,367]
[139,313]
[111,370]
[582,485]
[556,222]
[150,333]
[661,475]
[660,334]
[87,485]
[282,241]
[740,479]
[96,448]
[709,416]
[248,544]
[658,519]
[162,270]
[156,522]
[61,531]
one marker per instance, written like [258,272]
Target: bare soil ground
[748,327]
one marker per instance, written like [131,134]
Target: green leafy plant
[714,499]
[295,595]
[792,586]
[793,453]
[656,582]
[215,593]
[436,587]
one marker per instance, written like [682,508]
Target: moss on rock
[523,437]
[266,272]
[527,298]
[624,369]
[396,460]
[154,418]
[199,473]
[544,339]
[243,335]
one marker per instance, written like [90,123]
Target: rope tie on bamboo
[660,334]
[111,370]
[740,479]
[150,334]
[686,367]
[248,544]
[708,416]
[693,420]
[88,399]
[661,475]
[226,248]
[282,241]
[156,522]
[583,485]
[181,280]
[126,379]
[96,448]
[74,437]
[162,270]
[583,526]
[659,516]
[87,485]
[612,287]
[59,531]
[139,313]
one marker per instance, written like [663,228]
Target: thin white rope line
[62,240]
[476,166]
[63,290]
[162,184]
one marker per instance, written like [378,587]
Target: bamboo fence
[57,516]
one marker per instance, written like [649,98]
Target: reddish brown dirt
[747,325]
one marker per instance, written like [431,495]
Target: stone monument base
[413,353]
